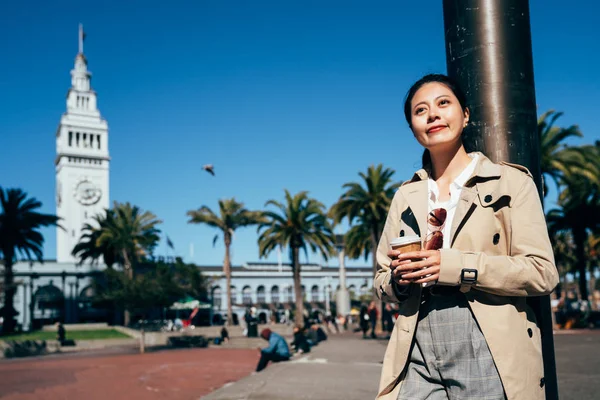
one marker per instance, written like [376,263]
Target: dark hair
[431,78]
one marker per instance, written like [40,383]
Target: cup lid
[399,241]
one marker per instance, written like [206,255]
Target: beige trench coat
[500,231]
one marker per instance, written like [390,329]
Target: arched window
[49,297]
[233,295]
[314,293]
[289,294]
[275,295]
[327,292]
[303,288]
[364,290]
[247,295]
[260,295]
[50,301]
[352,292]
[216,296]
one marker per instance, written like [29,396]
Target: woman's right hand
[396,274]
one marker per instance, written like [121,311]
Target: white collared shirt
[455,190]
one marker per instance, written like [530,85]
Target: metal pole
[342,298]
[488,51]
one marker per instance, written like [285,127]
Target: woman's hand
[415,266]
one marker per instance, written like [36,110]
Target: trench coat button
[487,198]
[496,238]
[402,232]
[542,382]
[529,332]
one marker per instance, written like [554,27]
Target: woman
[464,329]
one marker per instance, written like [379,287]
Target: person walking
[364,320]
[373,315]
[464,330]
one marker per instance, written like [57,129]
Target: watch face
[87,193]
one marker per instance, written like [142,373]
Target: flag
[170,244]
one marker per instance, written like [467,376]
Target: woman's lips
[436,128]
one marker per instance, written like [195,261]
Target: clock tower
[82,161]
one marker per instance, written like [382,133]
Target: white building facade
[270,285]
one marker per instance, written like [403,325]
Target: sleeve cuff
[391,291]
[450,267]
[401,292]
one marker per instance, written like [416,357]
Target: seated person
[277,350]
[316,334]
[300,342]
[224,335]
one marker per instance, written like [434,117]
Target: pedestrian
[61,333]
[464,328]
[277,350]
[373,315]
[388,318]
[364,320]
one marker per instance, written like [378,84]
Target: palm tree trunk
[9,293]
[227,270]
[299,316]
[579,236]
[378,303]
[142,337]
[129,273]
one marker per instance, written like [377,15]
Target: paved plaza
[345,366]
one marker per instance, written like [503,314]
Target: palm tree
[579,209]
[366,208]
[88,247]
[19,235]
[300,223]
[129,234]
[232,216]
[557,159]
[564,255]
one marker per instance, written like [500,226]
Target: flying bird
[209,168]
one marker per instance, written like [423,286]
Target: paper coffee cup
[406,243]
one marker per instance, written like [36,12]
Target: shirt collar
[459,181]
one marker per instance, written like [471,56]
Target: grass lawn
[75,335]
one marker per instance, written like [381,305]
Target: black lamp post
[488,51]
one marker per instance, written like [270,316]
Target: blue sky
[299,95]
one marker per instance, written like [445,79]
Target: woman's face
[437,117]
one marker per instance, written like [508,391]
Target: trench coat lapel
[416,197]
[485,178]
[464,209]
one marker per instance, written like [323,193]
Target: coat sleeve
[385,288]
[529,270]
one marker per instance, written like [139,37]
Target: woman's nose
[432,114]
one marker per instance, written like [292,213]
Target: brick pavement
[174,374]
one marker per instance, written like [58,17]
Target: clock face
[87,193]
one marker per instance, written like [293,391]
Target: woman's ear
[467,114]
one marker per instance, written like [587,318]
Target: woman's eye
[444,102]
[419,110]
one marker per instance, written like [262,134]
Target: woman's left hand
[425,266]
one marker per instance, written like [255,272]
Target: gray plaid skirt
[450,358]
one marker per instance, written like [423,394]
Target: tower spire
[81,38]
